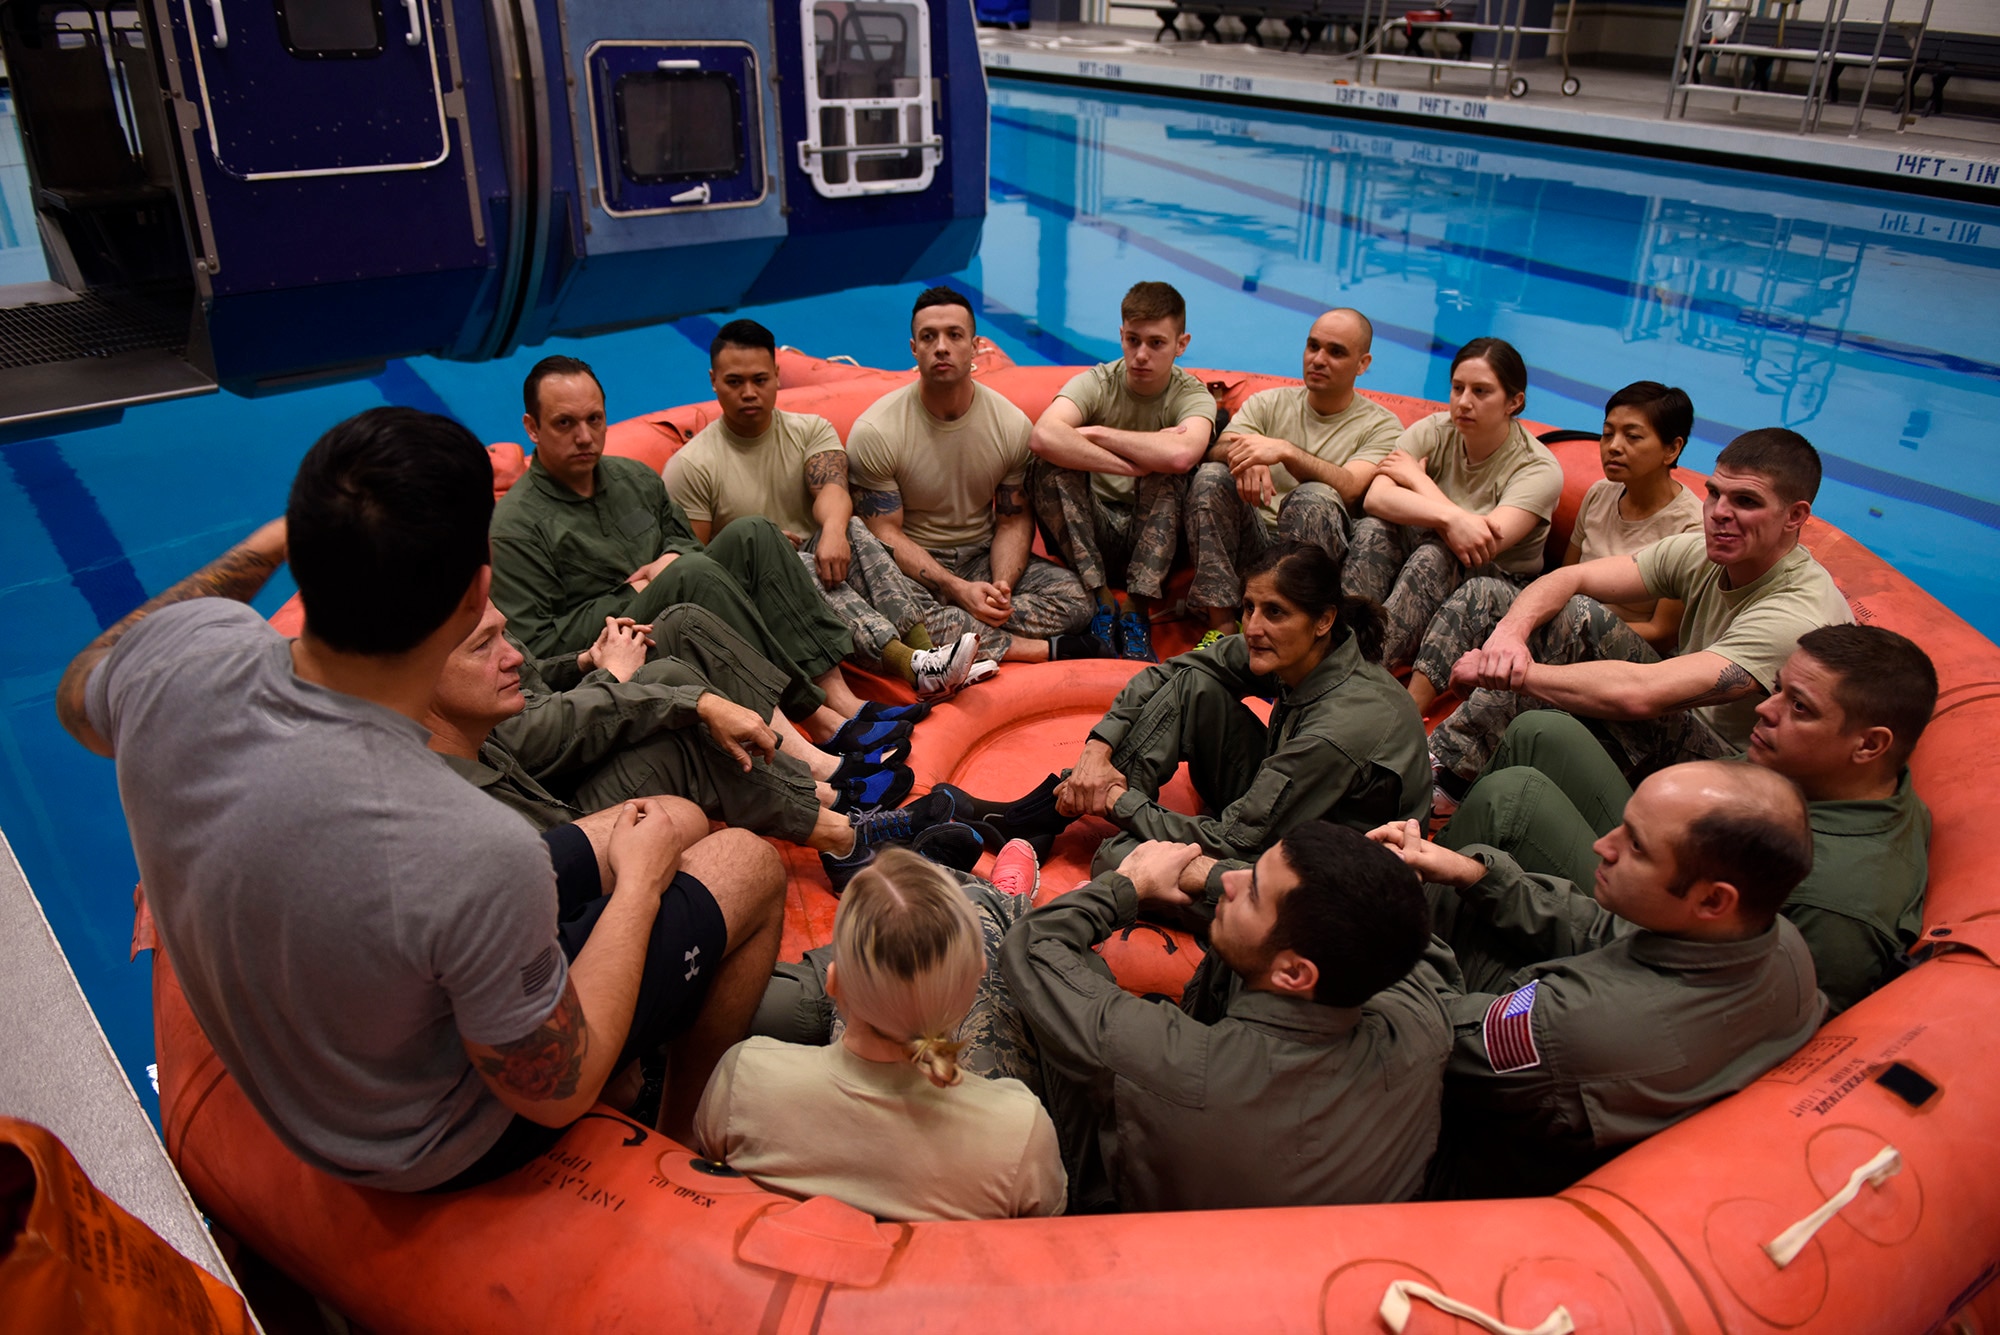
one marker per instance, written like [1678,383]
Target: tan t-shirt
[720,476]
[1755,627]
[1521,473]
[1104,400]
[1600,530]
[879,1135]
[1363,430]
[946,471]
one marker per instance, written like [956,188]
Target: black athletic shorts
[689,938]
[575,861]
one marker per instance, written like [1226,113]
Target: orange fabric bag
[72,1260]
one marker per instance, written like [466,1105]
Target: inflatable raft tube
[1871,1150]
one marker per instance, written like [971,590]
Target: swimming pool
[1861,318]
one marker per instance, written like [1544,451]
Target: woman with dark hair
[1466,491]
[1646,427]
[1344,742]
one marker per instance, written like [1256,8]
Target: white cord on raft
[1784,1248]
[1395,1312]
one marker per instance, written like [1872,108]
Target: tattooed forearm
[238,573]
[824,469]
[867,502]
[1007,500]
[547,1065]
[1732,683]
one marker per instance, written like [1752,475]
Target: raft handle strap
[1784,1248]
[1395,1312]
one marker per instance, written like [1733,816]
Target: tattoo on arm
[1732,683]
[868,502]
[238,573]
[1007,500]
[547,1065]
[827,468]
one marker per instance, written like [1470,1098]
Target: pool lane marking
[1852,472]
[69,514]
[1868,344]
[698,330]
[403,385]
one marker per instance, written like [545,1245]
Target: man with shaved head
[1291,464]
[1591,1020]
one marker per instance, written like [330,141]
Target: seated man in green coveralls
[1302,1066]
[585,536]
[1850,704]
[1592,1019]
[573,756]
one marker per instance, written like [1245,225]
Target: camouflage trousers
[1095,537]
[1048,601]
[1410,572]
[1584,631]
[880,603]
[874,599]
[796,1008]
[1225,533]
[1462,625]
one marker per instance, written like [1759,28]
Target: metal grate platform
[91,326]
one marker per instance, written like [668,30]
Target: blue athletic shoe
[862,735]
[1135,638]
[876,711]
[871,787]
[1104,628]
[894,754]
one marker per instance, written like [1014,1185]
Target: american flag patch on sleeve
[1510,1031]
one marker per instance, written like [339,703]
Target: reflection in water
[1786,305]
[1782,278]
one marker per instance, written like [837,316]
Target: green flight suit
[1346,745]
[1234,1098]
[1600,1034]
[1553,790]
[560,563]
[602,741]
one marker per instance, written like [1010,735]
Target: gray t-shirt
[338,905]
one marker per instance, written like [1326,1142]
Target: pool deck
[58,1071]
[1616,109]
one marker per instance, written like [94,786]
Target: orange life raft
[618,1228]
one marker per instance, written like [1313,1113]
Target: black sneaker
[955,844]
[1072,644]
[873,829]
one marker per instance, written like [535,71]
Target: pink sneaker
[1015,871]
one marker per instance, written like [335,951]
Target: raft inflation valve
[1395,1312]
[1784,1248]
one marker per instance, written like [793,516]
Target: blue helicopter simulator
[257,193]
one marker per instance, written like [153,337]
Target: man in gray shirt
[370,944]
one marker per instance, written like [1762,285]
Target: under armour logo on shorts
[694,965]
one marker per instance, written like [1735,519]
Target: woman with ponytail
[884,1118]
[1344,742]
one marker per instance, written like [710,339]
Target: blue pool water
[1863,319]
